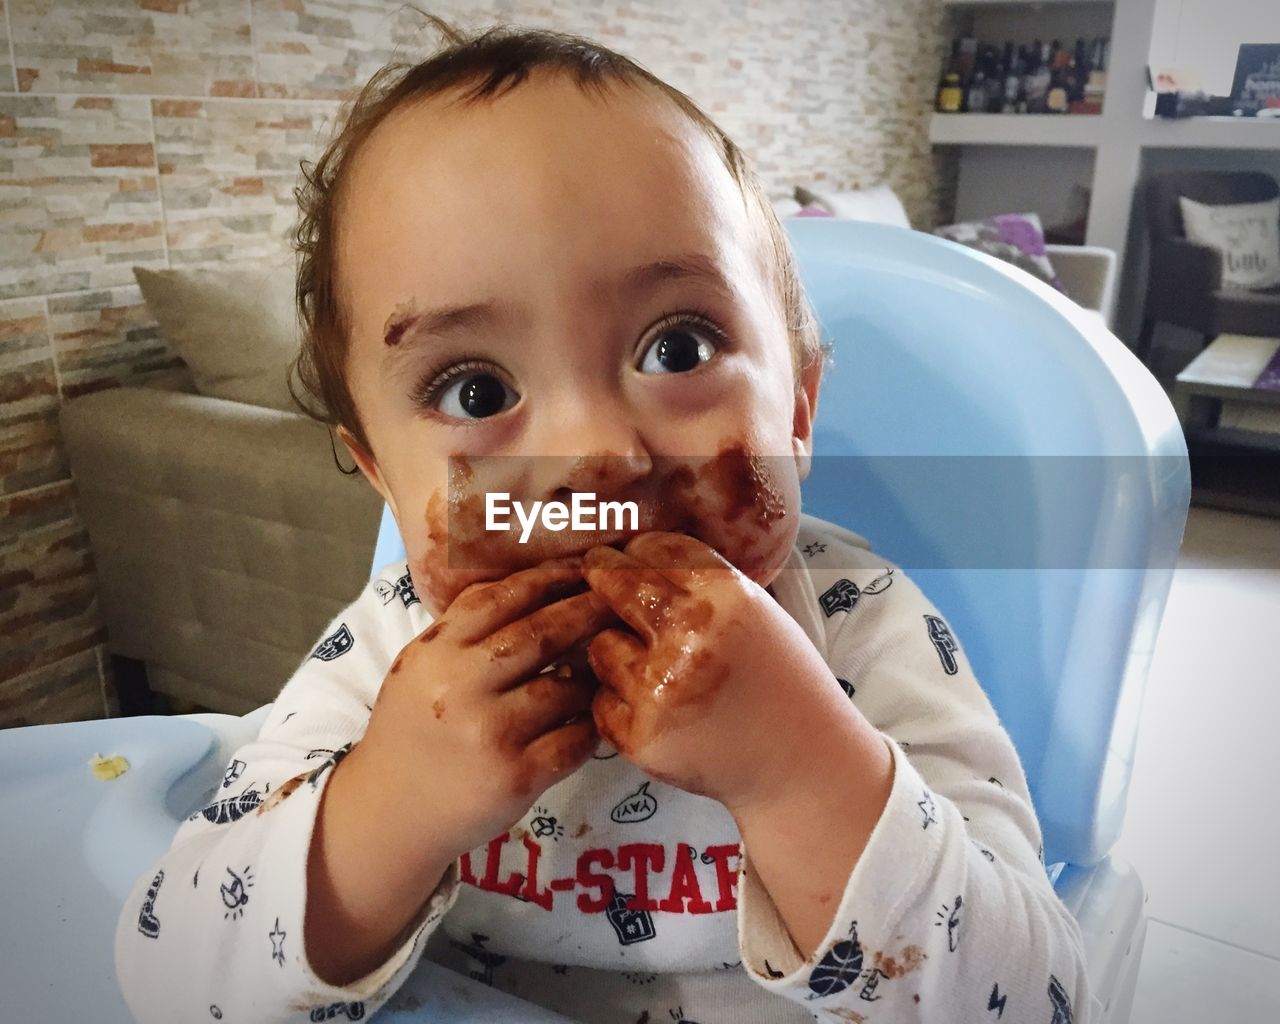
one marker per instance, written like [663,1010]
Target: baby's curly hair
[492,62]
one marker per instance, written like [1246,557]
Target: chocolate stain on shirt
[904,963]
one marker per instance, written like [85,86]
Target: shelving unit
[1105,151]
[1078,130]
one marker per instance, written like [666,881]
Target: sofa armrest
[225,537]
[1181,278]
[1088,274]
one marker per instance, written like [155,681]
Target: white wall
[1205,35]
[1036,180]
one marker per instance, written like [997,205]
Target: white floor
[1203,821]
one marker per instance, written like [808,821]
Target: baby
[656,772]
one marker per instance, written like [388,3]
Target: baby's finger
[546,702]
[484,608]
[680,558]
[637,592]
[528,645]
[618,660]
[612,716]
[556,755]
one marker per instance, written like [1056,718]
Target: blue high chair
[978,428]
[999,444]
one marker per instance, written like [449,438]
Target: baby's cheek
[744,505]
[435,581]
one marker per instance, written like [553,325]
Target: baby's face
[565,293]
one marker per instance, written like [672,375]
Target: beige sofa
[224,535]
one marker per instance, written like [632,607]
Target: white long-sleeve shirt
[619,898]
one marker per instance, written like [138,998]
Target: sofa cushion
[1016,238]
[878,203]
[235,326]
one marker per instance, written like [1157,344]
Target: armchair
[1184,280]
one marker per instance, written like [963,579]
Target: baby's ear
[368,466]
[806,409]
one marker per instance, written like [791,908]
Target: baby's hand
[467,727]
[716,684]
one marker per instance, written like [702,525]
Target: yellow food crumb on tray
[108,768]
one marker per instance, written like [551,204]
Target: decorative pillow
[1246,234]
[878,203]
[1016,238]
[235,326]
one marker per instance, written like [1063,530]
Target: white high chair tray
[74,844]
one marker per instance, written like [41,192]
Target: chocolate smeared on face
[737,502]
[398,323]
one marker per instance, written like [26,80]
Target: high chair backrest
[1015,459]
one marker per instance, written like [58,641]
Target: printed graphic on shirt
[596,889]
[485,962]
[950,916]
[983,850]
[944,643]
[335,644]
[839,968]
[997,1001]
[843,595]
[351,1011]
[233,808]
[846,686]
[544,825]
[148,923]
[678,1016]
[637,806]
[235,896]
[277,937]
[214,1012]
[869,989]
[813,548]
[402,588]
[330,762]
[927,807]
[631,926]
[234,770]
[1061,1004]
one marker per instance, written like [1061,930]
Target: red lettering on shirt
[684,886]
[589,879]
[596,887]
[724,877]
[642,855]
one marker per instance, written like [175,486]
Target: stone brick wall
[168,133]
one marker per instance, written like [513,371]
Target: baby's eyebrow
[407,322]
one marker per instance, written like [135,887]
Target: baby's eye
[678,348]
[474,396]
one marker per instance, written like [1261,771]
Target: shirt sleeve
[214,930]
[949,913]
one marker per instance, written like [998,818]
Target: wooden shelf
[1074,130]
[1211,133]
[1027,3]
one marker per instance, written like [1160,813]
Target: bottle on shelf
[1013,74]
[1055,99]
[1038,77]
[950,98]
[996,64]
[1096,83]
[975,101]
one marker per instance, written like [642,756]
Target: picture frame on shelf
[1256,85]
